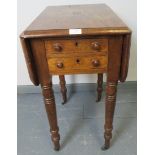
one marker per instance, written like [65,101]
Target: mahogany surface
[101,47]
[63,88]
[99,86]
[92,19]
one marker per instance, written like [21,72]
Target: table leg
[63,88]
[99,86]
[51,113]
[39,53]
[111,90]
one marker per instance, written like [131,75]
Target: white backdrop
[29,9]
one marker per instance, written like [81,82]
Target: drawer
[60,46]
[77,64]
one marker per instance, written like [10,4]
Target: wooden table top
[92,19]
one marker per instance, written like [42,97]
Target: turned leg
[51,113]
[99,86]
[63,88]
[111,90]
[43,73]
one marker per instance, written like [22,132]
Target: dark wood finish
[57,47]
[96,62]
[115,49]
[78,46]
[96,46]
[99,86]
[111,89]
[63,88]
[78,64]
[38,49]
[125,57]
[93,19]
[102,47]
[29,61]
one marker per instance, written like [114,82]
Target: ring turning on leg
[111,90]
[51,113]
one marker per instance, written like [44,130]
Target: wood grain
[29,61]
[63,88]
[76,45]
[125,57]
[77,65]
[49,50]
[92,19]
[47,91]
[99,86]
[114,63]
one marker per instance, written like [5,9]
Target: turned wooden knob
[95,63]
[57,47]
[96,46]
[60,65]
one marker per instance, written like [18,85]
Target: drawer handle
[95,63]
[60,65]
[57,47]
[96,46]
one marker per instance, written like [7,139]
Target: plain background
[28,10]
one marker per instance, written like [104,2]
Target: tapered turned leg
[99,86]
[63,88]
[51,113]
[111,90]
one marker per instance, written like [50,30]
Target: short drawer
[77,64]
[60,46]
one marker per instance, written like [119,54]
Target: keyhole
[78,61]
[76,43]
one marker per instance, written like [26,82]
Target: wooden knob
[60,65]
[96,46]
[95,63]
[58,47]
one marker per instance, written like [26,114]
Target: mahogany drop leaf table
[77,39]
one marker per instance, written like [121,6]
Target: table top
[91,19]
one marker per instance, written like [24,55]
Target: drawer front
[78,64]
[60,46]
